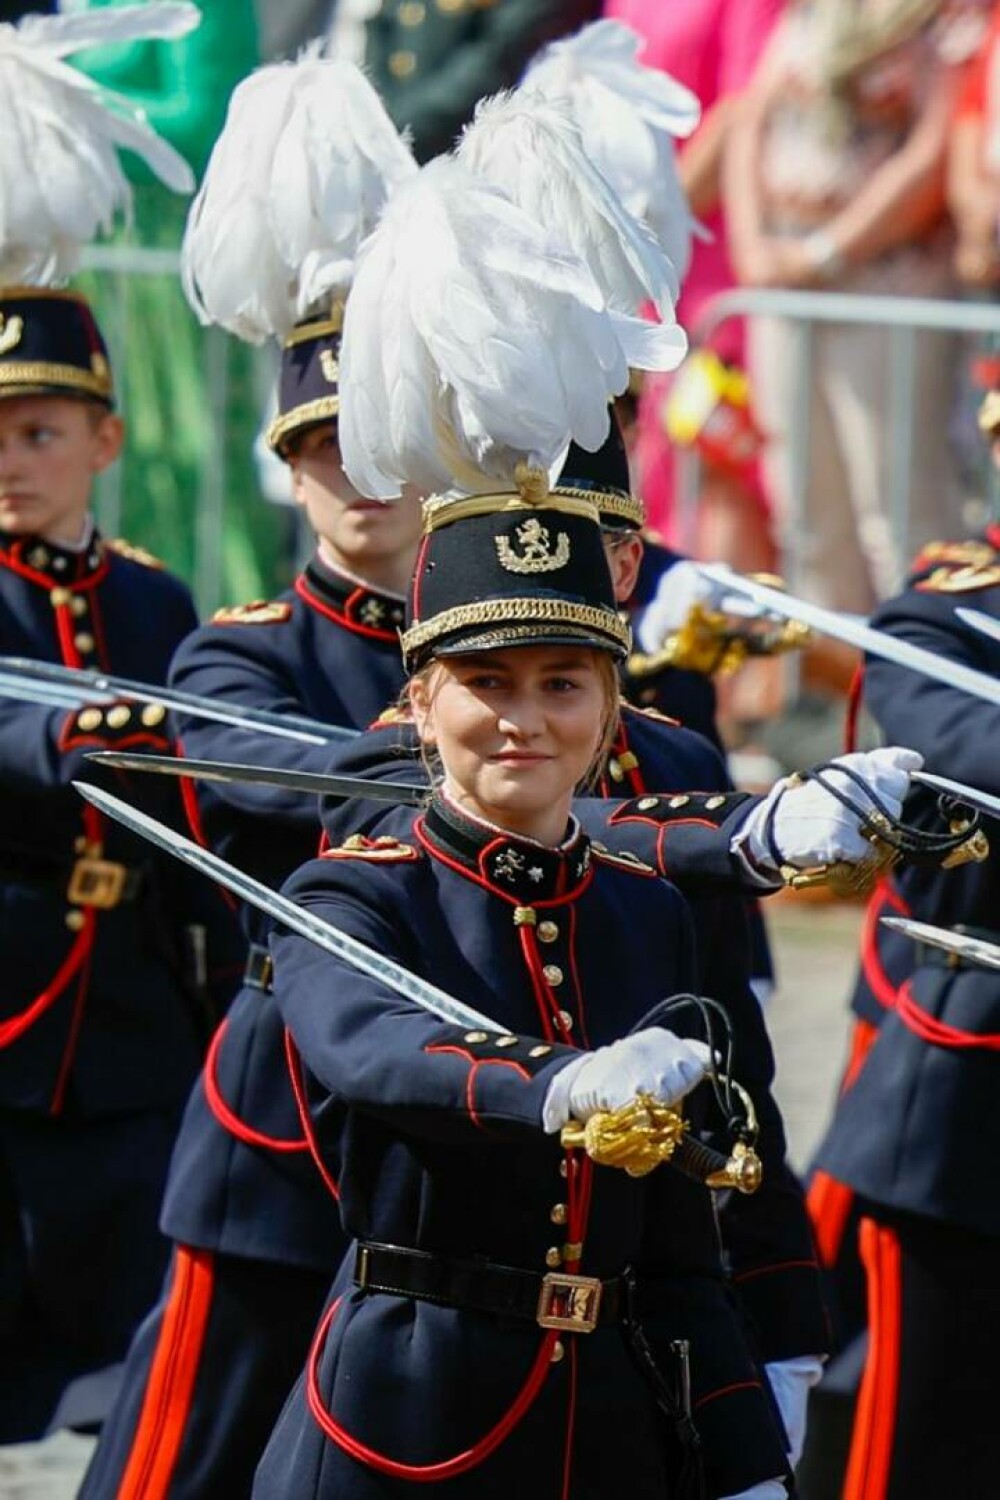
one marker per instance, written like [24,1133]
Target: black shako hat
[308,382]
[504,570]
[604,478]
[50,345]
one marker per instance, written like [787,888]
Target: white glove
[653,1061]
[768,1489]
[810,827]
[680,588]
[791,1381]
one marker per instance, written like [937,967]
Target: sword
[983,801]
[706,1165]
[985,624]
[320,784]
[855,632]
[974,950]
[73,687]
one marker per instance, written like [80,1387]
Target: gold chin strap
[709,643]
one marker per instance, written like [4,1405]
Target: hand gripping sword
[658,1130]
[857,633]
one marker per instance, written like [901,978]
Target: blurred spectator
[974,167]
[711,46]
[432,60]
[836,179]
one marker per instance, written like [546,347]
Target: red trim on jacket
[340,617]
[870,1461]
[938,1033]
[227,1117]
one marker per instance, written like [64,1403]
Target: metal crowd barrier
[901,318]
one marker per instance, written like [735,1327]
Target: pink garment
[712,46]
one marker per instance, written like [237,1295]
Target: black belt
[259,971]
[576,1304]
[940,958]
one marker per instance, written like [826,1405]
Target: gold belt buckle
[96,882]
[571,1303]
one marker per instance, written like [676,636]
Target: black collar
[48,564]
[526,873]
[354,604]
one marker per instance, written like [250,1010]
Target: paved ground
[815,947]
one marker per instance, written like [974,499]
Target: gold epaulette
[385,850]
[958,567]
[621,860]
[259,612]
[133,553]
[653,713]
[393,715]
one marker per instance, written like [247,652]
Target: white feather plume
[297,179]
[531,148]
[475,340]
[61,183]
[629,118]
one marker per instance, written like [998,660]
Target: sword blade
[985,624]
[48,694]
[983,801]
[307,924]
[974,950]
[855,632]
[318,783]
[88,684]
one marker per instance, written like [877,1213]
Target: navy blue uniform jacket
[931,1078]
[434,1133]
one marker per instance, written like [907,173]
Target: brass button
[75,920]
[558,1214]
[553,974]
[548,932]
[714,802]
[506,1041]
[565,1020]
[153,714]
[402,64]
[553,1257]
[476,1036]
[83,641]
[411,12]
[59,597]
[557,1352]
[118,716]
[628,761]
[615,771]
[542,1050]
[646,804]
[88,719]
[78,605]
[680,801]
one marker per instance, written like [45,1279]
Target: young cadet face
[51,448]
[365,537]
[516,730]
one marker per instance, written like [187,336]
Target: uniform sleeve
[234,666]
[437,106]
[956,733]
[43,750]
[373,1050]
[687,837]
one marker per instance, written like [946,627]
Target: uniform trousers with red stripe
[206,1378]
[927,1423]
